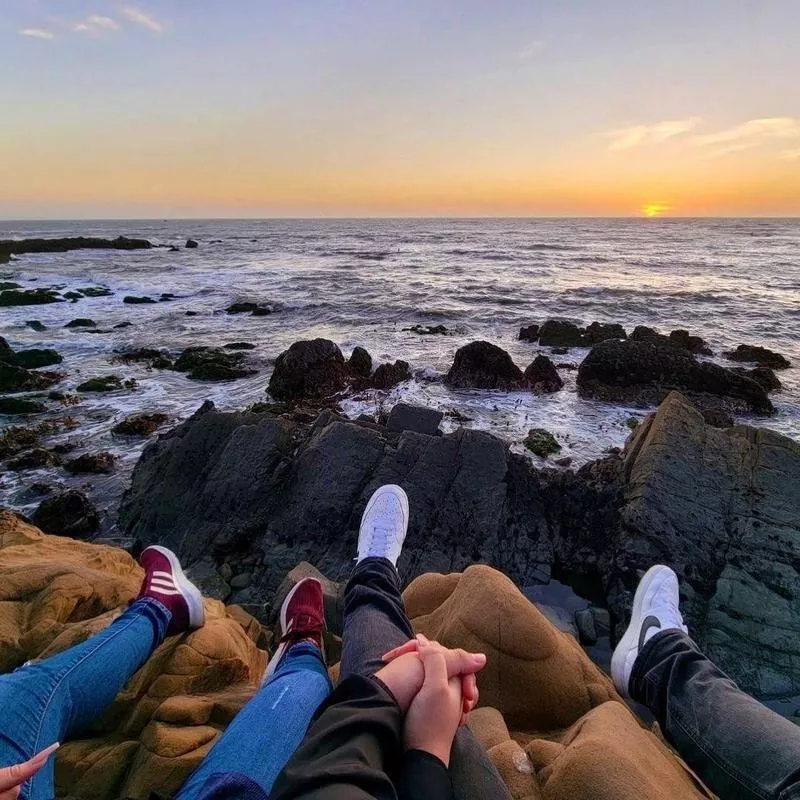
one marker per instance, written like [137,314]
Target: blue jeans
[53,700]
[266,732]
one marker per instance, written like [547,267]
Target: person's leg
[52,700]
[375,621]
[265,733]
[741,749]
[738,747]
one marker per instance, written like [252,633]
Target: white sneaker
[384,524]
[655,609]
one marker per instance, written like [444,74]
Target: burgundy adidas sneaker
[165,581]
[302,617]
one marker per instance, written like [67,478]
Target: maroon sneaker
[164,581]
[302,617]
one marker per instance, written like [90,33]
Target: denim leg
[53,700]
[266,732]
[741,749]
[375,621]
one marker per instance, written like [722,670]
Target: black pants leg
[741,749]
[375,621]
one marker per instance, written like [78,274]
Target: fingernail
[479,658]
[422,639]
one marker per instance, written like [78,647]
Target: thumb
[17,774]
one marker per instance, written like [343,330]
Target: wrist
[439,750]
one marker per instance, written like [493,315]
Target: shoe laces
[381,535]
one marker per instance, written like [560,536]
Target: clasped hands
[435,688]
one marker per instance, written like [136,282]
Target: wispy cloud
[530,50]
[96,24]
[639,135]
[37,33]
[750,134]
[790,155]
[141,18]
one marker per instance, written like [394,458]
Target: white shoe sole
[397,492]
[191,594]
[627,650]
[278,654]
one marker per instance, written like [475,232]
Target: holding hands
[436,689]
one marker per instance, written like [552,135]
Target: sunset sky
[399,107]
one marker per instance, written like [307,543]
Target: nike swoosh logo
[649,622]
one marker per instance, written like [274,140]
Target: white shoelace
[382,534]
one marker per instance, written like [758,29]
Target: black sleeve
[351,747]
[423,775]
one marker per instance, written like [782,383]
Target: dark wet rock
[6,351]
[81,322]
[67,514]
[4,285]
[162,362]
[561,333]
[29,297]
[309,368]
[63,245]
[174,249]
[18,379]
[212,364]
[679,339]
[717,417]
[96,291]
[482,365]
[141,354]
[143,424]
[166,297]
[542,377]
[602,331]
[98,331]
[40,488]
[35,325]
[644,373]
[249,307]
[91,464]
[38,458]
[16,438]
[759,355]
[33,359]
[541,442]
[18,405]
[529,333]
[137,301]
[559,351]
[584,621]
[73,296]
[405,417]
[106,383]
[764,376]
[190,313]
[191,244]
[569,366]
[566,461]
[428,330]
[125,324]
[694,344]
[388,375]
[360,363]
[240,346]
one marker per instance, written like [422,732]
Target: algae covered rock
[541,442]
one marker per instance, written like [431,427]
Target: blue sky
[260,108]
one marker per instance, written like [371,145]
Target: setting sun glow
[654,209]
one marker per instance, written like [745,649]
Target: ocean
[363,282]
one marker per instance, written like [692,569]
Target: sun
[654,209]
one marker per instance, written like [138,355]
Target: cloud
[530,50]
[790,155]
[750,134]
[658,133]
[96,24]
[37,33]
[140,18]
